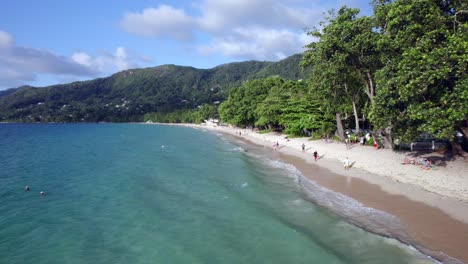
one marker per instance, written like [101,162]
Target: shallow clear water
[133,193]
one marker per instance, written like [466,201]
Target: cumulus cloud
[242,29]
[6,40]
[10,78]
[20,65]
[162,21]
[257,43]
[120,59]
[219,15]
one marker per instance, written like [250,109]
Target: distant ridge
[127,95]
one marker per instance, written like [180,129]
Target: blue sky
[56,41]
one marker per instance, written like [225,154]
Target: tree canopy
[422,86]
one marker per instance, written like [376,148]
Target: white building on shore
[212,122]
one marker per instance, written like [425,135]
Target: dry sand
[432,205]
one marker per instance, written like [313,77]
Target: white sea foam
[341,204]
[366,217]
[351,210]
[236,149]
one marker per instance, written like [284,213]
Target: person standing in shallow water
[315,155]
[303,147]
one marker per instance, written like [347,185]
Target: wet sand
[430,229]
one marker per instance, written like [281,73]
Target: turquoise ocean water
[134,193]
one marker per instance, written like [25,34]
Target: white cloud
[10,78]
[6,40]
[219,15]
[242,29]
[20,65]
[119,60]
[82,58]
[156,22]
[257,43]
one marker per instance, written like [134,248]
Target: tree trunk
[356,117]
[371,86]
[457,149]
[339,126]
[389,138]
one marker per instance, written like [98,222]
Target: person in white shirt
[346,163]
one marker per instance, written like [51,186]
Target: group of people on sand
[275,145]
[350,140]
[423,163]
[27,189]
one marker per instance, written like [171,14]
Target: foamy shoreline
[382,167]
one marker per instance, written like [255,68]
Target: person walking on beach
[303,147]
[346,164]
[315,155]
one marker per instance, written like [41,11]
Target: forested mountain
[128,95]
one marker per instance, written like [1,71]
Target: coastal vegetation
[400,72]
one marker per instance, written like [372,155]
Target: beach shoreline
[435,219]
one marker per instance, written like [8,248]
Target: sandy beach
[432,205]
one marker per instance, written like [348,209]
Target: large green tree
[303,113]
[344,59]
[423,85]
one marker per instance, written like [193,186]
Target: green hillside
[128,95]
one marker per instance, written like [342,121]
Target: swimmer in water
[26,189]
[42,193]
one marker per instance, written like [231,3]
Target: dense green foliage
[274,103]
[423,85]
[199,115]
[129,95]
[404,68]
